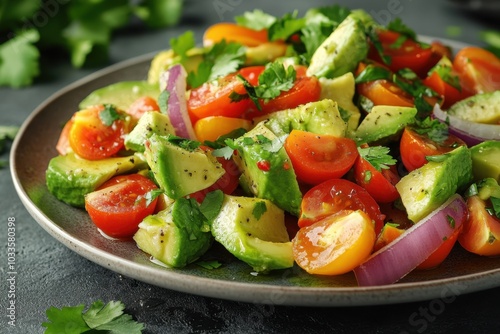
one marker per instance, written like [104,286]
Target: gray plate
[34,146]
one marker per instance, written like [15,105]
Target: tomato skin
[63,146]
[379,184]
[118,206]
[335,195]
[478,68]
[231,32]
[228,182]
[415,147]
[91,139]
[212,127]
[481,231]
[140,106]
[448,93]
[317,158]
[409,55]
[212,99]
[336,244]
[440,254]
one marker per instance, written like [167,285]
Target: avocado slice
[69,178]
[321,117]
[149,123]
[480,108]
[254,231]
[341,52]
[384,123]
[121,94]
[180,171]
[426,188]
[487,188]
[177,235]
[277,183]
[486,160]
[163,60]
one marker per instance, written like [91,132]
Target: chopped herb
[225,152]
[187,144]
[496,206]
[151,195]
[451,221]
[182,44]
[99,317]
[220,142]
[416,89]
[109,115]
[344,114]
[208,264]
[259,209]
[372,73]
[368,176]
[212,204]
[377,156]
[472,190]
[398,43]
[397,25]
[371,32]
[432,128]
[256,20]
[286,26]
[447,75]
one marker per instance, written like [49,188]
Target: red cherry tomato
[379,184]
[448,93]
[317,158]
[415,147]
[91,139]
[408,54]
[141,106]
[120,204]
[334,195]
[478,68]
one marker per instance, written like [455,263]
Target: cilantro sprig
[377,156]
[108,317]
[432,128]
[110,114]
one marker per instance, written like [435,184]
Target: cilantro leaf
[372,73]
[447,74]
[182,44]
[109,317]
[19,60]
[496,206]
[432,128]
[256,20]
[259,209]
[109,114]
[286,26]
[151,195]
[211,205]
[187,144]
[274,80]
[159,13]
[377,156]
[397,25]
[208,264]
[223,58]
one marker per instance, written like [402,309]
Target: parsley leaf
[187,144]
[182,44]
[286,26]
[446,73]
[259,209]
[432,128]
[256,20]
[109,114]
[223,58]
[372,73]
[19,60]
[108,317]
[211,205]
[377,156]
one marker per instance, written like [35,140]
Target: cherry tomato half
[120,204]
[415,147]
[336,244]
[478,68]
[334,195]
[141,106]
[231,32]
[317,158]
[212,127]
[91,139]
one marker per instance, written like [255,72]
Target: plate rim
[249,292]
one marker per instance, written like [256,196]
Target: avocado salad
[319,140]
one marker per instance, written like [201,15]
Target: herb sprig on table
[81,29]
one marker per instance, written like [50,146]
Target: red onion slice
[174,81]
[394,261]
[471,133]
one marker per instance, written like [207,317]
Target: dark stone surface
[49,274]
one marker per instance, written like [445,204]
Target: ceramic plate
[461,273]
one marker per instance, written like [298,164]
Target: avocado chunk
[480,108]
[121,94]
[264,53]
[177,235]
[149,123]
[253,230]
[486,160]
[426,188]
[163,60]
[487,188]
[342,90]
[266,170]
[180,171]
[69,178]
[384,123]
[341,51]
[321,117]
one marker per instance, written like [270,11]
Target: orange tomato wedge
[212,127]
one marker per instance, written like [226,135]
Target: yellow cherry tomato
[212,127]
